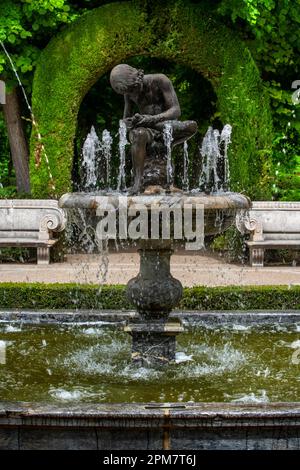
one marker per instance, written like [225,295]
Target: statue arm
[127,107]
[171,105]
[128,112]
[171,101]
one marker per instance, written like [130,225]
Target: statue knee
[139,134]
[193,126]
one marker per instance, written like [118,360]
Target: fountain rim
[88,316]
[89,414]
[214,201]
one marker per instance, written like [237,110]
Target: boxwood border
[73,296]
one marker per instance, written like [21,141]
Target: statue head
[125,79]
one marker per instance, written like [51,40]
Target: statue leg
[182,130]
[139,139]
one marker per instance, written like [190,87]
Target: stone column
[154,292]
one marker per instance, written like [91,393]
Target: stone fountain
[152,134]
[161,425]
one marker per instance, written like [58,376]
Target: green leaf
[11,38]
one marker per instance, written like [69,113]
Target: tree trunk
[17,140]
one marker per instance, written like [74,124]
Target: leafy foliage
[26,26]
[5,163]
[270,28]
[274,25]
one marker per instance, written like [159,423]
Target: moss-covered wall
[177,31]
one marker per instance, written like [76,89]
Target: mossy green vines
[74,60]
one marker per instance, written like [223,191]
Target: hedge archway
[187,34]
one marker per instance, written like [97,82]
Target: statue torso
[150,100]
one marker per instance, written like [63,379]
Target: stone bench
[272,225]
[31,223]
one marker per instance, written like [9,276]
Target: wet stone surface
[109,427]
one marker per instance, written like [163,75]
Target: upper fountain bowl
[219,208]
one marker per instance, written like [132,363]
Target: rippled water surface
[91,363]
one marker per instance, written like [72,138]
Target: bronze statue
[156,100]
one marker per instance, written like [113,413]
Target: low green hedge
[70,296]
[241,298]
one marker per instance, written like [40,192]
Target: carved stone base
[154,291]
[153,343]
[155,167]
[256,257]
[43,255]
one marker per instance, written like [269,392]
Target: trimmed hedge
[241,298]
[70,296]
[178,31]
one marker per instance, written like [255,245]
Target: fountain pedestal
[155,167]
[154,292]
[153,342]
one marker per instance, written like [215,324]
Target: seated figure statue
[157,103]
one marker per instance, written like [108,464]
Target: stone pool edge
[147,426]
[150,426]
[121,316]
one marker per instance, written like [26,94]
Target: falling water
[214,151]
[186,183]
[34,123]
[90,153]
[122,145]
[168,138]
[225,140]
[219,219]
[81,227]
[102,246]
[211,154]
[106,148]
